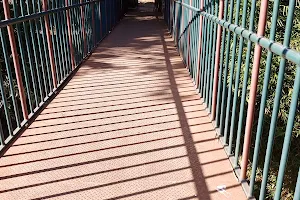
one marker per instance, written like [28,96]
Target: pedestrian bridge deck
[129,124]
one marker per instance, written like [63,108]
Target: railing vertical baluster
[96,22]
[174,35]
[191,35]
[229,93]
[254,81]
[210,53]
[180,24]
[70,35]
[175,11]
[199,47]
[63,40]
[66,39]
[217,63]
[106,17]
[178,28]
[93,24]
[83,28]
[187,34]
[297,188]
[100,22]
[102,27]
[189,48]
[2,141]
[183,38]
[203,49]
[90,22]
[59,44]
[237,79]
[175,27]
[170,16]
[181,30]
[213,57]
[195,42]
[57,54]
[75,25]
[205,52]
[79,32]
[113,13]
[288,133]
[15,60]
[110,14]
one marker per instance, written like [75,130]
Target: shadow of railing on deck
[199,179]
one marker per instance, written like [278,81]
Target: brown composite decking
[128,125]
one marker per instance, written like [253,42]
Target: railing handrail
[12,21]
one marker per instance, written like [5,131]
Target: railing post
[12,41]
[253,89]
[70,35]
[217,60]
[83,28]
[50,46]
[199,46]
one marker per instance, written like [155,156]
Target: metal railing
[215,40]
[42,43]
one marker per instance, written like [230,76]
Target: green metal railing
[221,44]
[42,42]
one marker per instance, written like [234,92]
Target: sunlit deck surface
[129,125]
